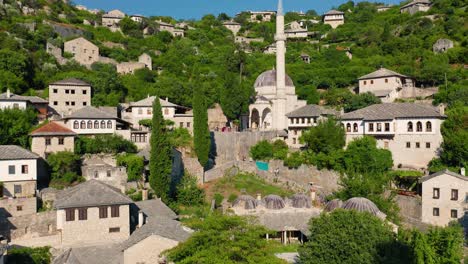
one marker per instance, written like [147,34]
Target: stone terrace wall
[29,226]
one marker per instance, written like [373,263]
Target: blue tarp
[262,165]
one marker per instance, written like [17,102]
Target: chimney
[8,95]
[442,109]
[144,194]
[141,219]
[167,99]
[259,196]
[462,171]
[313,193]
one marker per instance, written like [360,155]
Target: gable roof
[71,81]
[415,2]
[15,97]
[90,255]
[155,208]
[380,73]
[334,12]
[13,152]
[90,112]
[90,193]
[311,111]
[389,111]
[444,172]
[148,101]
[53,128]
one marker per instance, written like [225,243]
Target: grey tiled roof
[90,255]
[71,81]
[90,112]
[380,73]
[389,111]
[426,2]
[311,111]
[90,193]
[334,12]
[149,102]
[13,152]
[446,171]
[14,97]
[155,208]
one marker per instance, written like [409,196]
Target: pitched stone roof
[90,193]
[389,111]
[90,255]
[13,152]
[443,172]
[90,112]
[334,12]
[14,97]
[156,208]
[311,111]
[53,129]
[424,2]
[148,101]
[381,73]
[71,82]
[231,23]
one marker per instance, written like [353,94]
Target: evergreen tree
[160,159]
[201,133]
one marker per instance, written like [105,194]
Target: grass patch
[275,247]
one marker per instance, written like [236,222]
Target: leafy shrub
[294,160]
[135,166]
[232,197]
[188,192]
[263,150]
[218,199]
[39,255]
[64,166]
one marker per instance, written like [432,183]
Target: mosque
[275,91]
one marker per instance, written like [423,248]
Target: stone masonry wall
[29,226]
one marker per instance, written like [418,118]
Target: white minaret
[279,103]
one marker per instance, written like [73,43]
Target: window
[67,103]
[355,127]
[114,229]
[83,125]
[408,144]
[84,50]
[188,124]
[108,173]
[103,124]
[76,125]
[166,111]
[140,111]
[24,169]
[418,145]
[61,140]
[73,103]
[295,132]
[55,103]
[90,124]
[386,80]
[109,124]
[83,214]
[19,208]
[454,195]
[428,126]
[410,126]
[419,127]
[387,127]
[72,91]
[48,141]
[115,211]
[379,127]
[11,169]
[181,124]
[55,91]
[85,92]
[371,127]
[85,103]
[428,144]
[365,82]
[96,124]
[67,91]
[148,111]
[348,127]
[435,193]
[69,214]
[435,211]
[372,82]
[17,188]
[103,212]
[385,144]
[453,213]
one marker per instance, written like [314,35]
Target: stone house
[137,18]
[261,16]
[11,100]
[386,84]
[416,6]
[91,213]
[93,121]
[84,51]
[305,58]
[304,118]
[333,18]
[244,40]
[295,30]
[69,95]
[270,49]
[20,172]
[233,26]
[444,198]
[144,61]
[147,60]
[175,32]
[104,168]
[410,131]
[52,138]
[112,19]
[442,45]
[216,118]
[383,8]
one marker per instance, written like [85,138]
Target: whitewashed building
[386,84]
[11,101]
[93,121]
[233,26]
[410,131]
[137,18]
[334,18]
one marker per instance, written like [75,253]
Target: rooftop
[389,111]
[13,152]
[71,82]
[311,111]
[334,12]
[90,193]
[148,101]
[14,97]
[444,172]
[53,128]
[380,73]
[424,2]
[268,78]
[90,112]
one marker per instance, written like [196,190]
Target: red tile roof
[52,128]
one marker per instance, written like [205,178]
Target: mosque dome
[301,200]
[273,202]
[268,78]
[333,204]
[246,202]
[363,205]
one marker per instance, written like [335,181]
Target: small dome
[246,202]
[273,202]
[361,204]
[333,204]
[301,200]
[268,78]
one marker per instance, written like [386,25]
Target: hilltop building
[333,18]
[276,94]
[112,19]
[416,6]
[11,100]
[383,8]
[84,51]
[52,138]
[295,30]
[69,95]
[410,131]
[442,45]
[260,16]
[233,26]
[137,18]
[175,32]
[144,61]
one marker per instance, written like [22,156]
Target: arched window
[348,127]
[96,124]
[410,126]
[103,124]
[355,127]
[90,124]
[83,125]
[109,124]
[76,125]
[419,127]
[428,126]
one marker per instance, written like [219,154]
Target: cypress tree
[160,159]
[201,134]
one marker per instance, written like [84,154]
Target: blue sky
[186,9]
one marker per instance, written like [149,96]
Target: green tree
[160,159]
[455,133]
[64,167]
[363,156]
[326,137]
[16,125]
[188,192]
[25,255]
[201,134]
[135,166]
[263,150]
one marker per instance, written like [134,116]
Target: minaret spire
[280,38]
[280,8]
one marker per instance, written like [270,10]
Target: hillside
[209,57]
